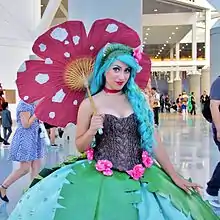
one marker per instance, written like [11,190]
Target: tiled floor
[188,142]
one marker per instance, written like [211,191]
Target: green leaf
[160,183]
[92,196]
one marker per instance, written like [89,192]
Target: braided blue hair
[135,96]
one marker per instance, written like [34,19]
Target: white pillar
[207,35]
[19,19]
[194,46]
[205,80]
[88,11]
[170,85]
[177,85]
[178,51]
[171,54]
[194,85]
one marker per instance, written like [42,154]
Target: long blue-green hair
[135,96]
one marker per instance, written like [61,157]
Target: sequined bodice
[120,142]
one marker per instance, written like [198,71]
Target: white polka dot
[52,115]
[22,68]
[59,34]
[59,96]
[48,61]
[76,39]
[66,42]
[111,28]
[42,78]
[75,102]
[66,54]
[42,47]
[26,98]
[92,48]
[139,69]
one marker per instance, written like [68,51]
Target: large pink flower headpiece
[64,50]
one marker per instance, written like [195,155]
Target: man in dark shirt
[204,98]
[212,190]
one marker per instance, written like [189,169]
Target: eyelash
[116,69]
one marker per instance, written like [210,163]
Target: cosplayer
[119,179]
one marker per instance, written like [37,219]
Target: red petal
[99,37]
[64,112]
[142,77]
[27,85]
[55,49]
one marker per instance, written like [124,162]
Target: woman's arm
[83,136]
[26,119]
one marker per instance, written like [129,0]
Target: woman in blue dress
[119,179]
[26,146]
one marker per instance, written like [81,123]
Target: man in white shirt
[156,105]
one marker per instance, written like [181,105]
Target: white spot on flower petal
[75,102]
[111,28]
[76,39]
[66,54]
[42,78]
[66,42]
[48,61]
[92,48]
[22,68]
[139,69]
[59,34]
[26,98]
[59,96]
[52,115]
[42,47]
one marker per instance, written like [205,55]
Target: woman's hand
[186,185]
[95,124]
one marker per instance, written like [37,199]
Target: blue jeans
[214,183]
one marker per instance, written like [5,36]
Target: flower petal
[108,31]
[63,42]
[58,109]
[143,76]
[37,79]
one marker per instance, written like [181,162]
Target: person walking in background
[26,147]
[2,100]
[212,191]
[192,101]
[156,105]
[6,123]
[204,99]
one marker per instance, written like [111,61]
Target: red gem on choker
[111,90]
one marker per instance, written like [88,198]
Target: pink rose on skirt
[104,166]
[90,154]
[137,172]
[147,160]
[137,54]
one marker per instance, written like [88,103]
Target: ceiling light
[177,28]
[170,37]
[144,42]
[42,5]
[164,45]
[145,38]
[167,41]
[200,49]
[180,50]
[162,48]
[148,29]
[189,56]
[183,47]
[173,33]
[159,53]
[186,44]
[147,34]
[204,47]
[155,9]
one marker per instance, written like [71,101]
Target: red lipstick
[120,83]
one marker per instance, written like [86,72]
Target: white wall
[18,20]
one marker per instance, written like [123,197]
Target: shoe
[213,200]
[6,143]
[4,198]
